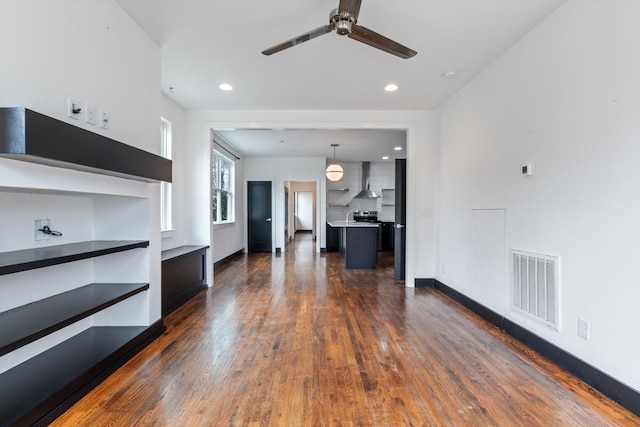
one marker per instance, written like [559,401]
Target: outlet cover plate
[74,108]
[38,224]
[584,329]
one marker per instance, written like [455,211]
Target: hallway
[295,340]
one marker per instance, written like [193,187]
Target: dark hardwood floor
[296,340]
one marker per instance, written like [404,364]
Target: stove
[365,216]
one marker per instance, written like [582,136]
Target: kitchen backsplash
[382,182]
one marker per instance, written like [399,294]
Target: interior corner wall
[225,239]
[91,51]
[566,98]
[175,114]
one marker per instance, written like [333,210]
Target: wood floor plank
[296,340]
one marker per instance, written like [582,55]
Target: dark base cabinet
[184,274]
[359,247]
[386,236]
[333,238]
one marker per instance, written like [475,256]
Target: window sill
[224,225]
[165,234]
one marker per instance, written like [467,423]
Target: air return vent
[534,286]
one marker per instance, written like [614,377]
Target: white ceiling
[207,42]
[354,145]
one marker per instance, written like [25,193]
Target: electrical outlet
[74,108]
[39,224]
[90,113]
[104,120]
[584,329]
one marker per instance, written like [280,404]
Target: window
[222,182]
[165,187]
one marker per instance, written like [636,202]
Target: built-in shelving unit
[71,313]
[343,190]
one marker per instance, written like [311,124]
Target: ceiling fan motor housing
[342,21]
[343,27]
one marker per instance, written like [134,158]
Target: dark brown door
[401,218]
[259,216]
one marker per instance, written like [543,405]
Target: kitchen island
[358,244]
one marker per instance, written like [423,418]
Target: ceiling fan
[344,20]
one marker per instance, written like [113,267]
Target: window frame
[166,199]
[217,193]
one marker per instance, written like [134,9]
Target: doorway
[301,210]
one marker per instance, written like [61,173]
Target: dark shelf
[33,137]
[30,322]
[30,259]
[34,388]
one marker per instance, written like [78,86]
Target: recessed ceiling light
[391,87]
[385,157]
[226,87]
[449,74]
[397,148]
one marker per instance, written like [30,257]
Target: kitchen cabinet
[386,236]
[358,244]
[333,238]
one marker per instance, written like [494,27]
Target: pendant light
[334,171]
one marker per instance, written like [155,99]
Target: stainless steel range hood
[366,192]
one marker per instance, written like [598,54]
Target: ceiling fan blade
[300,39]
[349,7]
[366,36]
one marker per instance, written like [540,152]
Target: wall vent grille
[535,286]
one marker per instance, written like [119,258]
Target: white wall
[307,189]
[566,97]
[421,178]
[91,51]
[304,210]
